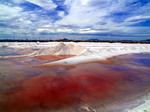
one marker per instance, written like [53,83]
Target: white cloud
[68,2]
[92,31]
[41,30]
[55,29]
[45,4]
[85,13]
[61,13]
[8,12]
[95,14]
[85,2]
[82,15]
[18,1]
[67,30]
[47,26]
[136,18]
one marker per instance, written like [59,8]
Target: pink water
[110,85]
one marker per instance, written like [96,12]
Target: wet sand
[109,85]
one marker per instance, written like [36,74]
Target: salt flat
[83,51]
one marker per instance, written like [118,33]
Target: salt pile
[97,51]
[62,49]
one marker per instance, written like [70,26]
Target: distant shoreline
[61,40]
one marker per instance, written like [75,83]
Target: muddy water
[112,85]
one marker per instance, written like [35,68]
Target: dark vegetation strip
[67,40]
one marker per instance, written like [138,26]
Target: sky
[127,19]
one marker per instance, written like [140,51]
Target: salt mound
[62,49]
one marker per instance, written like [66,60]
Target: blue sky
[44,18]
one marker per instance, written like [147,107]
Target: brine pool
[113,85]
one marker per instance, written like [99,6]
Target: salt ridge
[102,51]
[62,49]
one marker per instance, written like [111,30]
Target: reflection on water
[111,85]
[12,52]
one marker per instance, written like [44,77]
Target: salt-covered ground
[83,51]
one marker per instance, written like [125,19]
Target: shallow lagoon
[111,85]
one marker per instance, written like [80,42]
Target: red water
[60,87]
[53,91]
[53,57]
